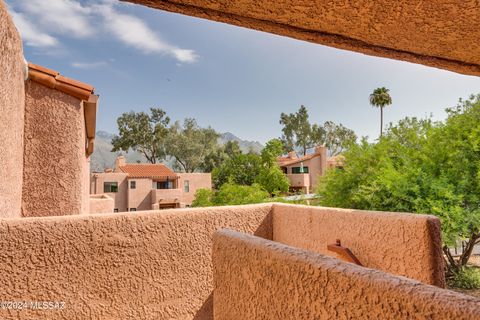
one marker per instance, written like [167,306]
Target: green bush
[466,278]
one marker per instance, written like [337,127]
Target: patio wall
[12,101]
[404,244]
[144,265]
[101,203]
[256,278]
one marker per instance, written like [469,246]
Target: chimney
[119,162]
[292,155]
[322,151]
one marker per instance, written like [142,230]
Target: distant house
[136,187]
[303,172]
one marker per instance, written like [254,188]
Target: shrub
[466,278]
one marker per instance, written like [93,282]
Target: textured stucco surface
[121,197]
[404,244]
[101,204]
[256,278]
[12,101]
[144,265]
[55,177]
[440,33]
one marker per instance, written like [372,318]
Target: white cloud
[65,17]
[31,34]
[89,65]
[70,18]
[134,32]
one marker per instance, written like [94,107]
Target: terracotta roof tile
[284,161]
[83,91]
[54,80]
[148,171]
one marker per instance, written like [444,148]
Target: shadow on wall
[265,231]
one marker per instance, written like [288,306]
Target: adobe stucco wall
[404,244]
[101,204]
[259,279]
[54,159]
[121,197]
[196,181]
[12,101]
[148,265]
[140,198]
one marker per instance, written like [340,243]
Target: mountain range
[103,157]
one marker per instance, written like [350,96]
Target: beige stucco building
[304,172]
[136,187]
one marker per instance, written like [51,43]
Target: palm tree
[380,98]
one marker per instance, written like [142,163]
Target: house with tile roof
[303,172]
[142,186]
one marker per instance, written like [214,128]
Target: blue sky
[231,78]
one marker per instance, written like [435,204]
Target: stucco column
[55,180]
[12,101]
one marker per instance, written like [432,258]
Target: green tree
[273,180]
[380,98]
[298,132]
[219,155]
[190,144]
[230,194]
[338,137]
[203,198]
[241,169]
[418,166]
[142,132]
[271,177]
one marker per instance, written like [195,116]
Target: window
[186,186]
[163,184]
[299,170]
[115,210]
[110,187]
[133,184]
[133,209]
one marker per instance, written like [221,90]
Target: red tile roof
[83,91]
[148,171]
[54,80]
[285,161]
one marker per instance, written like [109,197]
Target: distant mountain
[103,157]
[245,145]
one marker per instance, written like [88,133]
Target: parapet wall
[403,244]
[101,203]
[256,278]
[12,101]
[144,265]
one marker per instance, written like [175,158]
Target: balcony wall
[148,265]
[256,278]
[403,244]
[166,195]
[299,180]
[101,203]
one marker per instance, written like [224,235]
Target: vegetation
[248,169]
[146,133]
[380,98]
[230,194]
[419,166]
[299,133]
[190,145]
[465,278]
